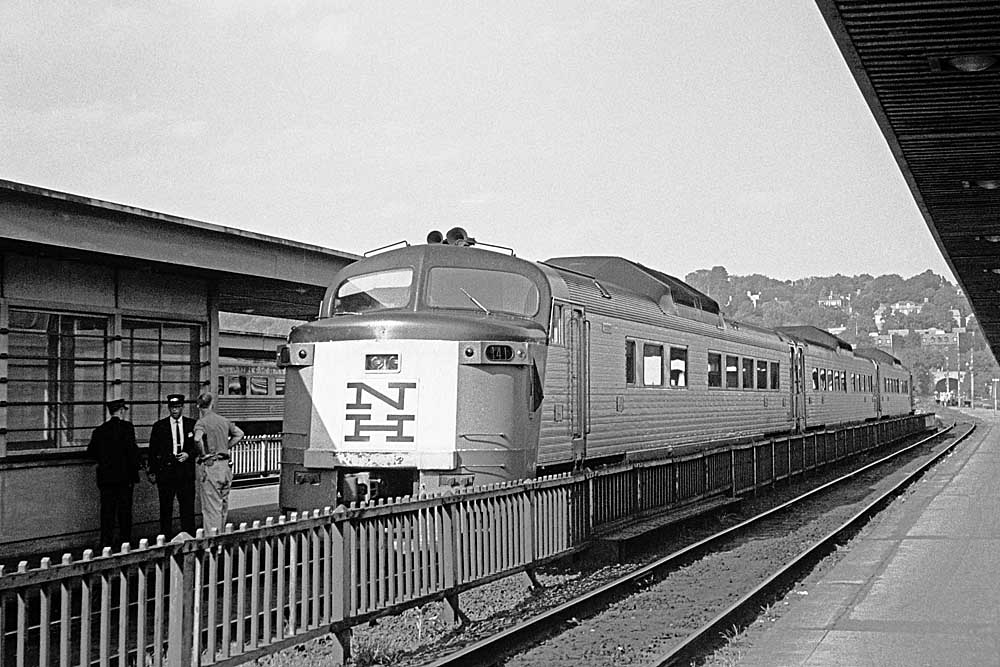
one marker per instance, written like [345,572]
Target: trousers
[216,478]
[116,503]
[184,492]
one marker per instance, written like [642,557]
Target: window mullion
[4,373]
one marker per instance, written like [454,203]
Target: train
[251,393]
[450,364]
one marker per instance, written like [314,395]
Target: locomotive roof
[815,336]
[876,354]
[636,278]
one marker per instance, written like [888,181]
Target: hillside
[897,314]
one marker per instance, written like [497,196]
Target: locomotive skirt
[215,476]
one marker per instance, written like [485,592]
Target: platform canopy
[930,71]
[253,273]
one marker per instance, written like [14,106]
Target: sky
[680,134]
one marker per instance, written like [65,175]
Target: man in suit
[172,456]
[113,446]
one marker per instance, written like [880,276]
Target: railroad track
[640,597]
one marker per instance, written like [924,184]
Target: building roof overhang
[252,273]
[930,72]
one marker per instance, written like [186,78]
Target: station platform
[920,585]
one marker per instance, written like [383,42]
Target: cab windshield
[369,292]
[482,290]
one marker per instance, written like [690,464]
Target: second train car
[444,364]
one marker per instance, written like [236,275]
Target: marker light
[382,362]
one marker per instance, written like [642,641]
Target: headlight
[382,362]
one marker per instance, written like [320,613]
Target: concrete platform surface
[919,586]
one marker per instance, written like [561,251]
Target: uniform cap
[175,399]
[115,405]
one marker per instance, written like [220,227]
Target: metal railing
[257,456]
[226,599]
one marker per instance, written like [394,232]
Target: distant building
[939,338]
[886,341]
[956,315]
[879,316]
[906,308]
[898,332]
[948,340]
[836,331]
[832,301]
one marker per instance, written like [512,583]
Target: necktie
[178,443]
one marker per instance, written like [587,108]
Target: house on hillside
[906,308]
[879,316]
[832,301]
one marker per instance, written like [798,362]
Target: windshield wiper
[476,301]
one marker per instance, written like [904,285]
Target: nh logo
[379,411]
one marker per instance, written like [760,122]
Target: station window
[652,365]
[815,379]
[57,372]
[61,368]
[761,374]
[775,375]
[747,373]
[732,372]
[714,369]
[158,358]
[678,367]
[822,379]
[630,362]
[259,385]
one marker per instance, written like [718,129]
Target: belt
[212,457]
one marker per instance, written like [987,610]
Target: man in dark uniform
[172,455]
[113,446]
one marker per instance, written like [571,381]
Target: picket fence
[257,456]
[228,598]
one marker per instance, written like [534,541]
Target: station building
[101,301]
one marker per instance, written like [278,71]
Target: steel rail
[497,648]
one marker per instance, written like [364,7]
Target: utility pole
[995,380]
[958,367]
[972,372]
[947,379]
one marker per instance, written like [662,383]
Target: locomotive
[448,364]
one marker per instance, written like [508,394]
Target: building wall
[74,333]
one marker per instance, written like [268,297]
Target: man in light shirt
[172,455]
[214,436]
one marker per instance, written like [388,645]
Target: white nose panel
[402,417]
